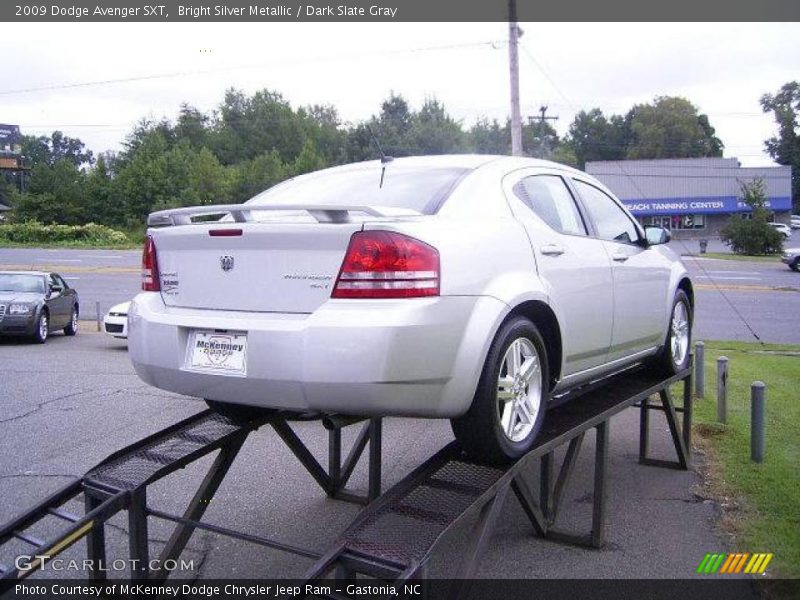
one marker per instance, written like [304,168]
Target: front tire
[795,266]
[510,401]
[42,328]
[72,326]
[674,356]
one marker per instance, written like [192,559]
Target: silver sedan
[473,288]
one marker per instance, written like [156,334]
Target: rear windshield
[421,189]
[12,282]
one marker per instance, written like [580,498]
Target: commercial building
[12,167]
[692,197]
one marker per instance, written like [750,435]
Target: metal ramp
[396,535]
[120,482]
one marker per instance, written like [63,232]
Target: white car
[473,288]
[784,229]
[791,257]
[115,323]
[794,223]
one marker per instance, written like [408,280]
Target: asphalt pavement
[736,300]
[71,402]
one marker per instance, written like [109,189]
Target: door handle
[619,257]
[552,250]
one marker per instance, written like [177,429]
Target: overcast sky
[722,68]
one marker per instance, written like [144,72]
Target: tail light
[384,264]
[151,280]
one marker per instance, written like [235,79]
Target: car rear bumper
[116,326]
[418,357]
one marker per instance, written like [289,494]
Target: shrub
[33,232]
[752,236]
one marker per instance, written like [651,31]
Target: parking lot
[71,402]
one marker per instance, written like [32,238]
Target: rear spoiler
[240,213]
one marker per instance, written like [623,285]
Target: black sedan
[33,303]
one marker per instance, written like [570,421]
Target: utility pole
[513,64]
[542,132]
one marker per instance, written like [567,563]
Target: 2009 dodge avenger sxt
[473,288]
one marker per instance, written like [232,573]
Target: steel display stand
[396,535]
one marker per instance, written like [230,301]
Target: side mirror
[656,235]
[55,290]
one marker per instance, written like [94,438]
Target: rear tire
[795,266]
[238,413]
[674,355]
[72,326]
[510,401]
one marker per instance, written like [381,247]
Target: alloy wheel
[679,333]
[43,326]
[519,390]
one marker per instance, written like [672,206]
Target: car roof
[41,273]
[456,161]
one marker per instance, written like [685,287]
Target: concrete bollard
[722,389]
[700,370]
[758,397]
[97,311]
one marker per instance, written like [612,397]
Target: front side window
[549,197]
[610,220]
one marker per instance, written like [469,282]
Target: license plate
[217,352]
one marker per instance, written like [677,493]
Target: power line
[645,197]
[494,44]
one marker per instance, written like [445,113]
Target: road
[107,277]
[71,402]
[733,297]
[745,301]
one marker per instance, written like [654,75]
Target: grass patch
[128,245]
[32,234]
[761,502]
[745,257]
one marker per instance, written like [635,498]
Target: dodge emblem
[226,262]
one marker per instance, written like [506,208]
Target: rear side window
[611,221]
[422,189]
[549,197]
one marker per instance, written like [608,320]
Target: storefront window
[676,221]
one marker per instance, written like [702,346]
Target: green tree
[208,181]
[48,150]
[539,139]
[324,128]
[593,137]
[102,204]
[785,147]
[55,195]
[670,127]
[434,131]
[254,176]
[308,160]
[248,126]
[192,126]
[488,137]
[753,235]
[143,179]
